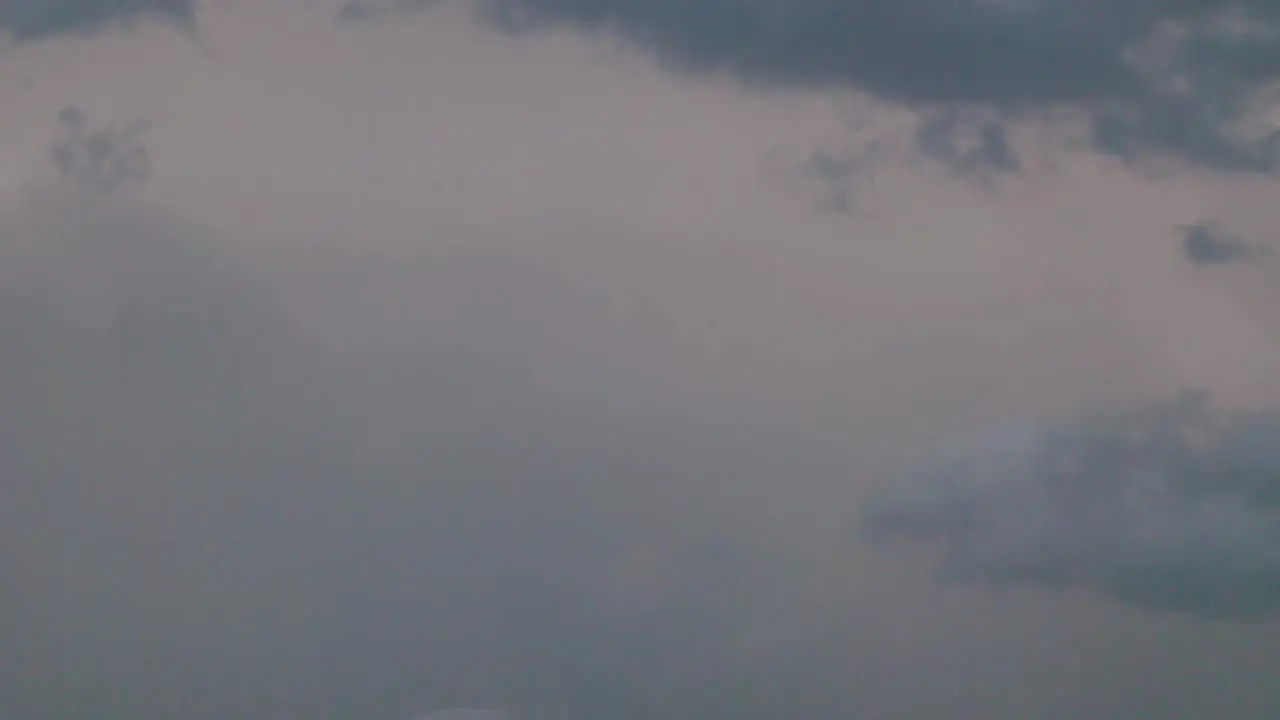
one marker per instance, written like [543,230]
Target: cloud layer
[26,20]
[216,509]
[491,396]
[1151,79]
[1169,508]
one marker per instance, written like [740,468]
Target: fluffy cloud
[1171,507]
[1152,78]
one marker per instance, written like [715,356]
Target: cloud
[1151,78]
[465,714]
[215,507]
[841,176]
[972,147]
[1171,507]
[28,20]
[1208,243]
[372,9]
[103,160]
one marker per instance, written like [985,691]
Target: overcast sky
[639,359]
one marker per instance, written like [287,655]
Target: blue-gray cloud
[26,20]
[1153,78]
[1169,508]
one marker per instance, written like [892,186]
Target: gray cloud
[372,9]
[1208,243]
[216,508]
[103,160]
[1154,78]
[841,176]
[1170,508]
[972,147]
[26,20]
[465,714]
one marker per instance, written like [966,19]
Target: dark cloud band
[1152,77]
[25,20]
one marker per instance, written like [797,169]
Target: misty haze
[639,360]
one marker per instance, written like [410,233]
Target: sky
[579,359]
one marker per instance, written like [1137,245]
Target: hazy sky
[582,359]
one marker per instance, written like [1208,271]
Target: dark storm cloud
[1208,243]
[25,20]
[1168,508]
[1153,77]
